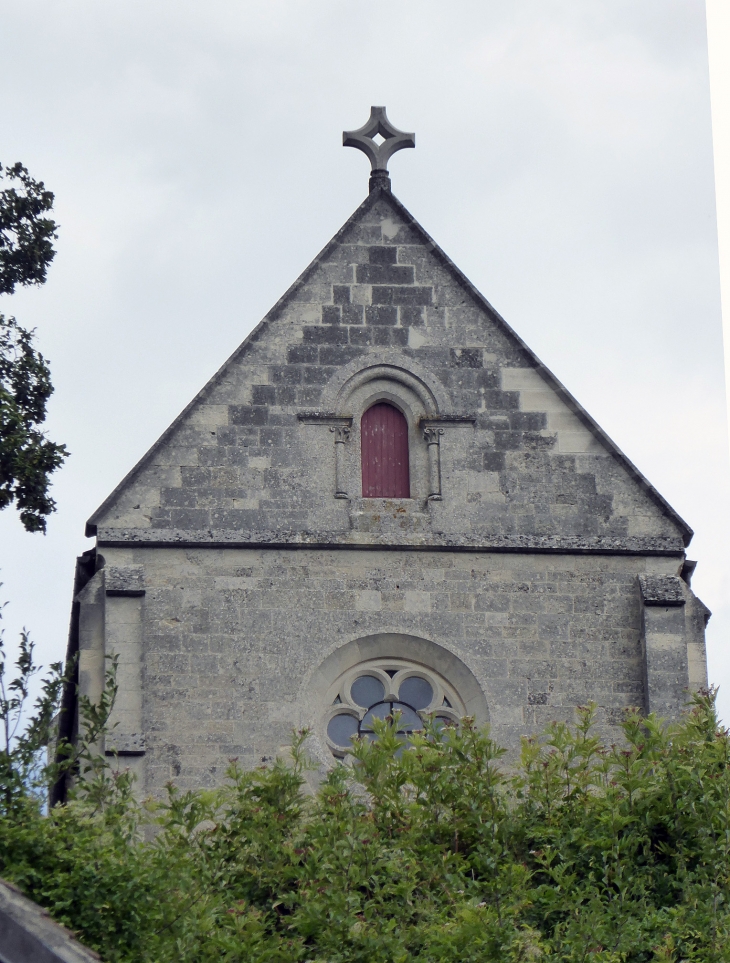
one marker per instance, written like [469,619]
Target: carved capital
[432,435]
[341,433]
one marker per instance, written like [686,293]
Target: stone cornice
[459,542]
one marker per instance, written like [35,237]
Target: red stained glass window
[384,444]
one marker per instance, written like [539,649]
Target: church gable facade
[382,502]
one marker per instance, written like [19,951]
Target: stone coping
[29,935]
[663,590]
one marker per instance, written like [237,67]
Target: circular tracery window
[378,690]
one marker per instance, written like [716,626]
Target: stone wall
[233,640]
[241,561]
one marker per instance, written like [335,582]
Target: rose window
[378,690]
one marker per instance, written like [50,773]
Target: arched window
[379,689]
[384,446]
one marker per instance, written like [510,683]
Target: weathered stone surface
[532,559]
[233,639]
[125,581]
[388,536]
[662,589]
[125,744]
[239,459]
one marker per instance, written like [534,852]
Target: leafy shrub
[582,852]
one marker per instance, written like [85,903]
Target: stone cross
[379,153]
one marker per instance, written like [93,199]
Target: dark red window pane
[384,442]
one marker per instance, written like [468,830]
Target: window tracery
[380,688]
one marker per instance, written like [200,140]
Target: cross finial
[378,153]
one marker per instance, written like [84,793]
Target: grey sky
[563,161]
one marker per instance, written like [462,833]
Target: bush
[437,853]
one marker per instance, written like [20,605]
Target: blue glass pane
[408,718]
[416,692]
[367,690]
[340,729]
[380,711]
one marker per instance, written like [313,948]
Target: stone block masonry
[233,640]
[240,571]
[379,293]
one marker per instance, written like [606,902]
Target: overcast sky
[564,161]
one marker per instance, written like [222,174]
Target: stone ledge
[121,744]
[662,589]
[468,419]
[465,542]
[323,418]
[124,581]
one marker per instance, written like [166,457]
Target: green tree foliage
[27,457]
[26,234]
[440,852]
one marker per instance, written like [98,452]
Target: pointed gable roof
[380,220]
